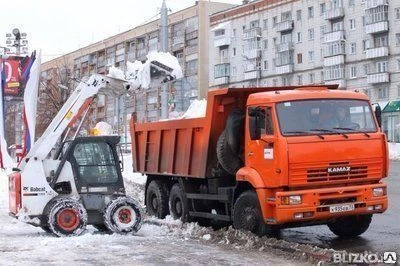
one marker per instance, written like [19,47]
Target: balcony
[283,47]
[377,27]
[376,78]
[334,13]
[254,74]
[221,81]
[334,36]
[177,43]
[252,33]
[377,52]
[334,48]
[284,25]
[284,69]
[375,3]
[222,40]
[334,60]
[252,54]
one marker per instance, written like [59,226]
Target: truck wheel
[350,226]
[67,217]
[178,206]
[123,215]
[157,199]
[247,215]
[229,161]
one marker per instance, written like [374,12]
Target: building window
[244,27]
[397,12]
[299,58]
[366,69]
[351,3]
[312,78]
[274,21]
[298,15]
[323,30]
[352,24]
[191,67]
[265,23]
[310,12]
[353,48]
[265,42]
[299,38]
[353,72]
[265,65]
[274,40]
[234,32]
[311,56]
[397,38]
[311,34]
[221,70]
[383,93]
[382,66]
[299,79]
[234,51]
[366,44]
[254,24]
[322,8]
[381,41]
[363,20]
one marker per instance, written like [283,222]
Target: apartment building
[188,41]
[352,43]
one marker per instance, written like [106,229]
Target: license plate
[341,208]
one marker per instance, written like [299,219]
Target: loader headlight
[291,200]
[379,191]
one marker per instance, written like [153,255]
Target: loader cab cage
[94,161]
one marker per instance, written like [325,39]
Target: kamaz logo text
[341,169]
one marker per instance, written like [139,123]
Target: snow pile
[138,74]
[394,151]
[103,129]
[196,109]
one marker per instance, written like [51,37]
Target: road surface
[382,235]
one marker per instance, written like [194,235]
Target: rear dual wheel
[178,205]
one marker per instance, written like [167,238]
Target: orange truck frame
[262,160]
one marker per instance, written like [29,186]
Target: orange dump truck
[268,158]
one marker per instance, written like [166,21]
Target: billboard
[14,82]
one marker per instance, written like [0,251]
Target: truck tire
[123,215]
[67,217]
[350,226]
[157,199]
[229,161]
[178,205]
[247,215]
[234,130]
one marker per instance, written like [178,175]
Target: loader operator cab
[95,163]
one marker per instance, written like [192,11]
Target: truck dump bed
[186,147]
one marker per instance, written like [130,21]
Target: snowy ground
[158,242]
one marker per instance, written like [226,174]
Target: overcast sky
[61,26]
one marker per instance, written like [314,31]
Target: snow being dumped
[142,75]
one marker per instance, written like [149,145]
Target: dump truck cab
[318,153]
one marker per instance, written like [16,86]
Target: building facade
[352,43]
[188,41]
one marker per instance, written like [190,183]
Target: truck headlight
[379,191]
[291,200]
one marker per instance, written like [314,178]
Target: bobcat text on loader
[82,183]
[268,158]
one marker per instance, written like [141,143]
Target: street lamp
[18,40]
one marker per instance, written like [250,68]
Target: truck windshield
[325,116]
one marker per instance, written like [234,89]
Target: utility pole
[164,48]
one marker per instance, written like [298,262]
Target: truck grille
[323,175]
[333,172]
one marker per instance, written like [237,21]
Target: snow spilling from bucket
[103,129]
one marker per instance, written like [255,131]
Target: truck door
[260,139]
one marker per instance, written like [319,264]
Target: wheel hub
[124,216]
[68,219]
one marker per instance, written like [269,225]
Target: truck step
[218,197]
[211,216]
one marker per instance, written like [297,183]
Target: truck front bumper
[328,203]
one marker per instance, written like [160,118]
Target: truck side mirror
[255,118]
[378,115]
